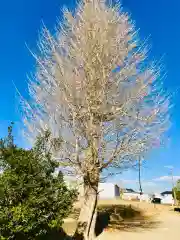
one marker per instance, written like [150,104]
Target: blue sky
[20,22]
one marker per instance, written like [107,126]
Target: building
[145,197]
[130,194]
[166,193]
[108,191]
[105,190]
[164,197]
[167,198]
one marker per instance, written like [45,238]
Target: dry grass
[121,215]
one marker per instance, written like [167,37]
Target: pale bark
[88,212]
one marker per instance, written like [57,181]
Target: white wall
[145,198]
[167,199]
[130,196]
[106,190]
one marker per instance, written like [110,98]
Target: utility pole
[172,181]
[173,186]
[140,185]
[139,165]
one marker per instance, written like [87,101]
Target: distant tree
[176,191]
[33,201]
[121,192]
[95,90]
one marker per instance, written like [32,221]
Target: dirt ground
[157,222]
[166,225]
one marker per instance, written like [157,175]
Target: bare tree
[95,90]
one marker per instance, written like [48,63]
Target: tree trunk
[88,213]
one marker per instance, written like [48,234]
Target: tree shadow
[123,217]
[102,221]
[177,209]
[135,226]
[120,217]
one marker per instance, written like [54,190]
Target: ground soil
[155,222]
[168,227]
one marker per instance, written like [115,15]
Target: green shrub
[33,201]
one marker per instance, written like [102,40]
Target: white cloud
[166,178]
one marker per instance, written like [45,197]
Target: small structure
[164,198]
[167,198]
[108,191]
[166,193]
[105,190]
[145,197]
[130,194]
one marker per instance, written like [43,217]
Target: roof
[128,190]
[166,193]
